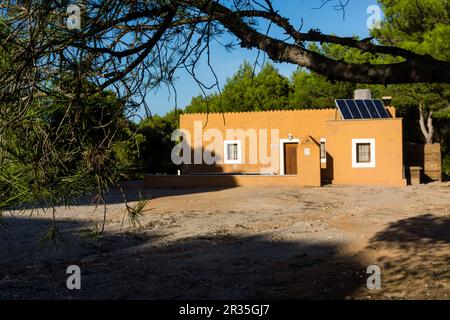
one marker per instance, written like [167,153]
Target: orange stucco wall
[309,166]
[387,134]
[301,124]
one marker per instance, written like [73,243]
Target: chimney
[363,94]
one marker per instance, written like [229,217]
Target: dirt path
[241,243]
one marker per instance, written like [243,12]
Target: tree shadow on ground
[133,191]
[147,266]
[423,229]
[133,194]
[415,258]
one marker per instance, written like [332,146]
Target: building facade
[292,147]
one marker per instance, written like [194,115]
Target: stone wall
[428,157]
[433,161]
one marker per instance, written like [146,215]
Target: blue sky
[226,63]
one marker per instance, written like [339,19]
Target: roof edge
[263,111]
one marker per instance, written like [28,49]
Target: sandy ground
[239,243]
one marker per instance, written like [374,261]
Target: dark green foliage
[422,27]
[310,90]
[157,144]
[246,91]
[269,90]
[61,149]
[60,138]
[446,165]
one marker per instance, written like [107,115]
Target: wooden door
[290,158]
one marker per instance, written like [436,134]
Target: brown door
[290,158]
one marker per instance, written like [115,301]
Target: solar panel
[354,109]
[372,110]
[381,109]
[362,109]
[345,111]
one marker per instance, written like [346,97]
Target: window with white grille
[363,153]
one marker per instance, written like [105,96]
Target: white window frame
[225,151]
[355,163]
[282,143]
[323,160]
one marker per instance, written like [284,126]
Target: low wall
[230,181]
[371,182]
[216,181]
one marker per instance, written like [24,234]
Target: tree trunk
[427,130]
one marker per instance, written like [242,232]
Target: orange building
[298,147]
